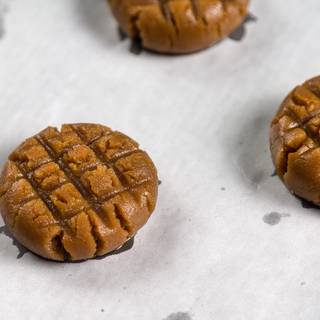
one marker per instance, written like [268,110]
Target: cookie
[295,141]
[179,26]
[77,193]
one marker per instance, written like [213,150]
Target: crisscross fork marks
[110,164]
[94,202]
[94,205]
[90,144]
[102,158]
[314,138]
[45,197]
[303,123]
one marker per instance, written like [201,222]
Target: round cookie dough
[295,141]
[179,26]
[77,193]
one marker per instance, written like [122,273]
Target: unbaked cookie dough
[179,26]
[77,193]
[295,141]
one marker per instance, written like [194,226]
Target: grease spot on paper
[273,218]
[179,316]
[240,32]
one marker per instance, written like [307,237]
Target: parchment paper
[227,240]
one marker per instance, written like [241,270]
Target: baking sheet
[227,241]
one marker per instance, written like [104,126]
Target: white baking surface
[206,253]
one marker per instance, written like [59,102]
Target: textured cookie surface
[295,141]
[77,193]
[179,26]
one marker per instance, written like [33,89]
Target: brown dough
[295,141]
[77,194]
[179,26]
